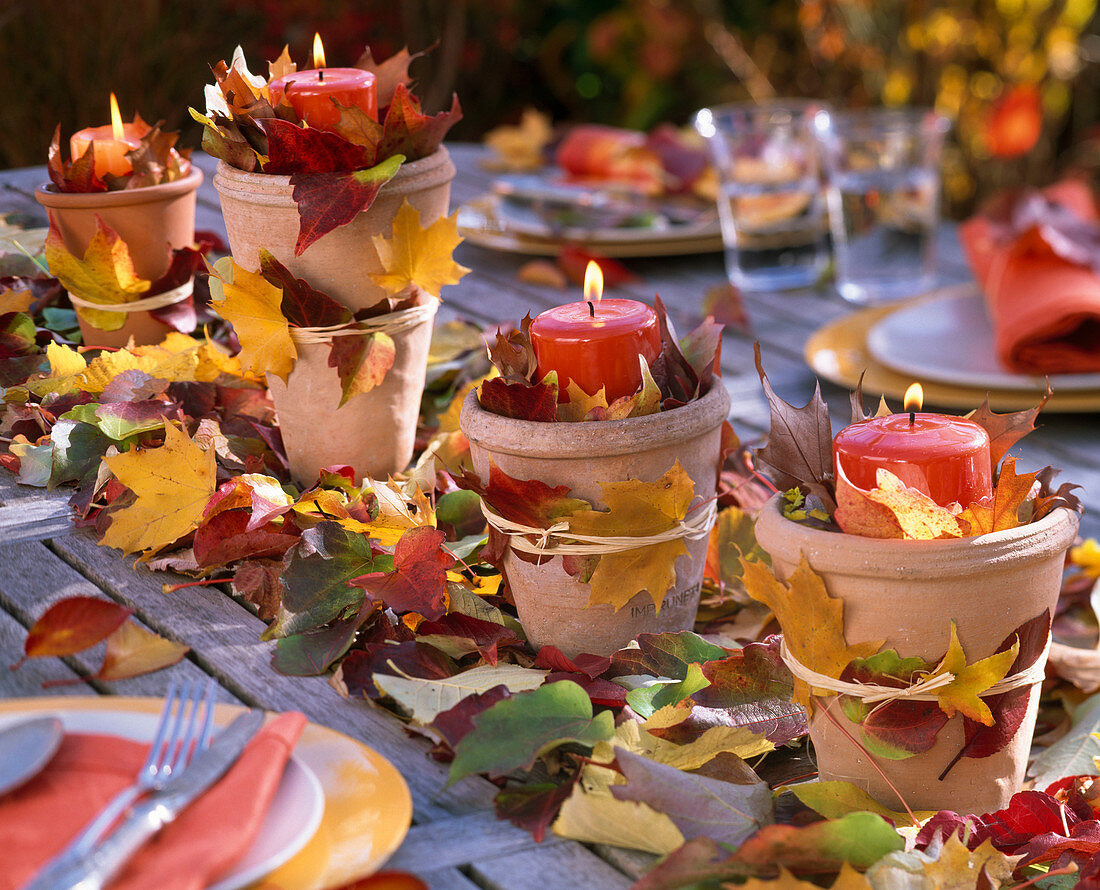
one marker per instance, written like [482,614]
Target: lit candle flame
[116,120]
[318,51]
[593,282]
[914,398]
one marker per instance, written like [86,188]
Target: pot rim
[48,195]
[248,180]
[877,557]
[532,438]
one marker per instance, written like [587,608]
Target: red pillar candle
[947,458]
[597,343]
[310,93]
[110,143]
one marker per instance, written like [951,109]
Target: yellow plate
[838,352]
[367,804]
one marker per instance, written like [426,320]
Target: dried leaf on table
[665,655]
[425,699]
[418,581]
[418,255]
[172,484]
[724,303]
[519,148]
[132,651]
[72,625]
[543,273]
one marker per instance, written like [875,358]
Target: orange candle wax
[596,344]
[311,92]
[947,458]
[110,143]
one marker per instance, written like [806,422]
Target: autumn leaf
[637,509]
[172,483]
[361,362]
[425,699]
[963,693]
[812,620]
[418,581]
[327,201]
[515,731]
[955,867]
[581,404]
[1005,430]
[892,510]
[533,807]
[834,799]
[254,307]
[15,301]
[414,255]
[72,625]
[1009,495]
[105,274]
[132,651]
[526,501]
[77,176]
[800,442]
[538,402]
[297,150]
[302,305]
[408,131]
[520,148]
[390,73]
[513,354]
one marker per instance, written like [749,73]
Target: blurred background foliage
[1020,78]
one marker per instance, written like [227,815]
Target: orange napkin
[39,819]
[1045,309]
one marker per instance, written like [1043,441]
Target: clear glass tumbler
[884,193]
[771,199]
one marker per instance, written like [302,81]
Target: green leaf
[425,699]
[77,450]
[650,699]
[835,799]
[666,655]
[1071,755]
[312,653]
[515,731]
[315,581]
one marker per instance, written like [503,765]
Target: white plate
[291,820]
[948,338]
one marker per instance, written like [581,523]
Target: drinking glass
[884,191]
[771,200]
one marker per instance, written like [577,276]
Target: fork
[185,725]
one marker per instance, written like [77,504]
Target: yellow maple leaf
[15,300]
[254,307]
[64,360]
[580,403]
[971,680]
[418,256]
[105,274]
[957,868]
[811,620]
[173,485]
[637,509]
[892,510]
[519,148]
[1011,492]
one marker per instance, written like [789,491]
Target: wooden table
[455,843]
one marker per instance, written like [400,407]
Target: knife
[95,869]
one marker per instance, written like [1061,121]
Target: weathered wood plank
[35,520]
[28,680]
[560,867]
[459,840]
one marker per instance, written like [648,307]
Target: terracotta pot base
[553,606]
[906,593]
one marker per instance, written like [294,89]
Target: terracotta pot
[374,431]
[553,606]
[906,593]
[152,221]
[259,211]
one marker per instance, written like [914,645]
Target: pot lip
[244,178]
[48,195]
[593,439]
[857,555]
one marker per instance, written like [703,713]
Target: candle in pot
[311,92]
[109,144]
[596,343]
[947,458]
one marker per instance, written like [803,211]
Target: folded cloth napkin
[1037,258]
[39,819]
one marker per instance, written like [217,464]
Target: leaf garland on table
[154,161]
[335,172]
[683,371]
[105,274]
[798,456]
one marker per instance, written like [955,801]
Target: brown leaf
[513,353]
[132,651]
[800,443]
[390,73]
[1005,430]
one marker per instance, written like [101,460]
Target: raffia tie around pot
[390,323]
[146,304]
[557,540]
[923,690]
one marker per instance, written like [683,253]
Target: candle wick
[912,418]
[591,308]
[321,76]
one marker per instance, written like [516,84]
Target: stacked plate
[944,341]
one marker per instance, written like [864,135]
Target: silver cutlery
[96,869]
[25,748]
[183,729]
